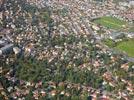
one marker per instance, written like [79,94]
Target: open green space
[111,22]
[131,29]
[127,46]
[109,42]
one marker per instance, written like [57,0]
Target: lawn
[110,22]
[131,29]
[109,42]
[127,46]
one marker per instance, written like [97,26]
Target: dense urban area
[66,50]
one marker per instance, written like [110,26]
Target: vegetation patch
[127,46]
[111,22]
[131,29]
[109,42]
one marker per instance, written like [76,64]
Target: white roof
[131,3]
[1,42]
[0,52]
[16,50]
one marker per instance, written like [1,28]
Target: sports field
[127,46]
[123,46]
[111,22]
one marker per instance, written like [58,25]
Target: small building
[117,35]
[6,49]
[131,3]
[96,28]
[2,43]
[130,35]
[16,50]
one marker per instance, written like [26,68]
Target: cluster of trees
[73,95]
[32,70]
[57,70]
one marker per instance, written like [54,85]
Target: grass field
[127,46]
[131,29]
[124,46]
[110,22]
[109,43]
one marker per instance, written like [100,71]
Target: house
[130,35]
[131,3]
[2,43]
[16,50]
[125,4]
[6,49]
[95,28]
[1,87]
